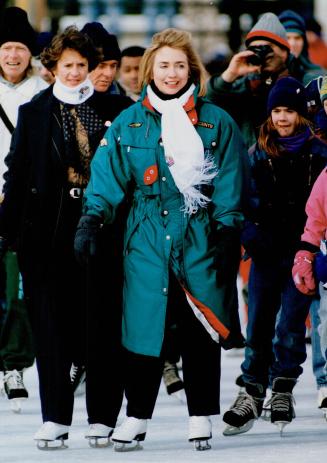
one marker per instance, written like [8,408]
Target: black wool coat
[32,214]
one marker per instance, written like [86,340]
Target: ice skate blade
[179,396]
[233,430]
[201,444]
[281,425]
[43,444]
[15,405]
[127,446]
[99,442]
[324,411]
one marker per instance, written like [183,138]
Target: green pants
[16,340]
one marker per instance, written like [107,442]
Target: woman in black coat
[56,136]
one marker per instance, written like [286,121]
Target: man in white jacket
[17,86]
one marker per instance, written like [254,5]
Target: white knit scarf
[73,95]
[184,151]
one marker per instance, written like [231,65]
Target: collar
[73,95]
[189,105]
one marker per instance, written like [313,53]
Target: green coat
[158,235]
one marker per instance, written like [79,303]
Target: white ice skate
[200,432]
[99,435]
[131,429]
[50,432]
[322,400]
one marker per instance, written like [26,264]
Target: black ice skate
[322,400]
[282,410]
[200,432]
[174,384]
[244,411]
[99,435]
[129,434]
[15,389]
[49,434]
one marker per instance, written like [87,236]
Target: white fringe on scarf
[184,150]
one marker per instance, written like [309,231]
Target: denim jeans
[274,350]
[318,360]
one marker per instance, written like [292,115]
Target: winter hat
[323,89]
[43,40]
[15,27]
[102,39]
[312,90]
[292,22]
[288,92]
[268,28]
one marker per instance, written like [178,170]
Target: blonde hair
[179,40]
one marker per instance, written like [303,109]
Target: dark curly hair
[71,38]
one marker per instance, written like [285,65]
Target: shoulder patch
[135,125]
[207,125]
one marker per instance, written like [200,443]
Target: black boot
[245,410]
[282,410]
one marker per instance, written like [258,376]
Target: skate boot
[50,432]
[322,400]
[244,411]
[131,429]
[174,384]
[282,410]
[99,435]
[77,376]
[199,432]
[14,388]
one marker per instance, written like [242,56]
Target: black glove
[227,255]
[3,247]
[256,242]
[85,244]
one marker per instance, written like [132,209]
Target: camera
[260,54]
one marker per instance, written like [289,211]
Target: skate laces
[13,380]
[282,401]
[244,404]
[170,373]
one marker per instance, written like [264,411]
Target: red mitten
[303,273]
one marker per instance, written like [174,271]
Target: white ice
[305,439]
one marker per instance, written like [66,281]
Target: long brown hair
[180,40]
[268,135]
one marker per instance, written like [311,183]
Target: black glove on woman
[85,244]
[227,254]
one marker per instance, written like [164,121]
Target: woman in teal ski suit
[182,230]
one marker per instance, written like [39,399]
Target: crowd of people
[133,184]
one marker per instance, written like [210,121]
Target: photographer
[242,89]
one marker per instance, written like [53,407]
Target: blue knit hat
[288,92]
[102,39]
[292,22]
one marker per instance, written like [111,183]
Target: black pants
[76,317]
[201,364]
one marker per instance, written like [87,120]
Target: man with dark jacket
[243,88]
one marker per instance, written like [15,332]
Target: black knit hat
[102,39]
[288,92]
[15,27]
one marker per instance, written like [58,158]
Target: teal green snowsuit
[158,234]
